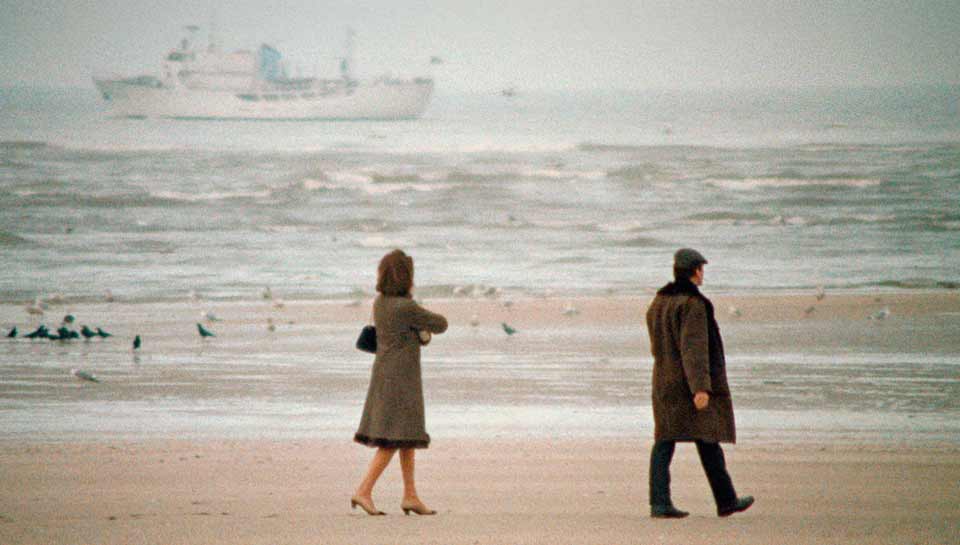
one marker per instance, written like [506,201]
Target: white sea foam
[384,242]
[748,184]
[211,196]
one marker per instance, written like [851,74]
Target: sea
[576,193]
[562,194]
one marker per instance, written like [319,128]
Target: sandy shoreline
[489,488]
[565,491]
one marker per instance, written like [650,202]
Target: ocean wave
[13,165]
[10,239]
[628,226]
[23,145]
[727,217]
[912,283]
[640,242]
[570,260]
[381,242]
[371,183]
[78,200]
[750,184]
[628,148]
[642,171]
[142,246]
[180,196]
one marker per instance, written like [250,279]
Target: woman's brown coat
[687,358]
[393,413]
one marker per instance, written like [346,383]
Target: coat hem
[379,442]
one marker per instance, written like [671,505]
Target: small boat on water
[215,84]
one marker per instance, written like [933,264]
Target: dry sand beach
[848,426]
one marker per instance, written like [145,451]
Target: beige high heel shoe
[366,505]
[418,508]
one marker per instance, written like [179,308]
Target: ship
[210,83]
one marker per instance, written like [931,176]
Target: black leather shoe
[666,512]
[742,504]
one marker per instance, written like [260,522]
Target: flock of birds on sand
[819,295]
[64,333]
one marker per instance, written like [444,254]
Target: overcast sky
[486,45]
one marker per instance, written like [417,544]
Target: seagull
[209,316]
[136,341]
[570,310]
[13,333]
[735,312]
[507,329]
[87,332]
[459,291]
[266,293]
[809,310]
[278,304]
[270,326]
[204,332]
[108,296]
[881,314]
[103,333]
[474,320]
[508,304]
[83,375]
[821,293]
[35,308]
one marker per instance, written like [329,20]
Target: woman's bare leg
[407,464]
[379,463]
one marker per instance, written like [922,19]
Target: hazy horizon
[530,45]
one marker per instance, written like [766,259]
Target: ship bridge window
[251,98]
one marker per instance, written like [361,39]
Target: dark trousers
[714,465]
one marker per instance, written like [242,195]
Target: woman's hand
[424,337]
[700,400]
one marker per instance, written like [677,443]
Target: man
[691,398]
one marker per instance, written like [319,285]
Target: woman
[393,413]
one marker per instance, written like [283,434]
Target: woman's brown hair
[395,274]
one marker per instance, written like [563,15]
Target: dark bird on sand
[507,329]
[103,333]
[68,319]
[83,375]
[137,342]
[204,332]
[66,334]
[40,333]
[87,332]
[13,333]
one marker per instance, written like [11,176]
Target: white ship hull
[377,100]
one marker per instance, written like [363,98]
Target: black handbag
[367,341]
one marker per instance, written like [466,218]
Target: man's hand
[700,400]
